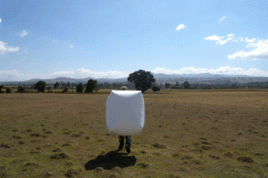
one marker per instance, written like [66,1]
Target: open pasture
[186,134]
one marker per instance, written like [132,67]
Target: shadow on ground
[110,160]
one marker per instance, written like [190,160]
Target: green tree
[40,86]
[167,85]
[91,84]
[1,86]
[21,89]
[56,85]
[65,90]
[106,85]
[176,86]
[155,88]
[8,90]
[79,88]
[141,79]
[186,85]
[49,88]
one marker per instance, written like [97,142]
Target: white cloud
[220,39]
[222,18]
[83,73]
[246,39]
[23,33]
[222,70]
[260,51]
[63,44]
[250,40]
[15,75]
[0,20]
[181,26]
[5,48]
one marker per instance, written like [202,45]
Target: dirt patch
[259,154]
[66,144]
[16,137]
[35,141]
[197,150]
[228,154]
[76,135]
[176,155]
[214,157]
[69,163]
[143,165]
[159,146]
[57,150]
[31,164]
[186,157]
[34,152]
[35,135]
[245,159]
[206,147]
[112,176]
[5,145]
[198,162]
[71,172]
[59,156]
[206,143]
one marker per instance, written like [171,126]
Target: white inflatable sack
[125,112]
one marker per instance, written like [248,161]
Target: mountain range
[204,78]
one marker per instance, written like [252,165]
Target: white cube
[125,112]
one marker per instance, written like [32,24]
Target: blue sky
[112,38]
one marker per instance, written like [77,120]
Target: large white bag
[125,112]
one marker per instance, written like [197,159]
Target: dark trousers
[121,141]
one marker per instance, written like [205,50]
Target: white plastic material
[125,112]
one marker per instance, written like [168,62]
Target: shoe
[120,147]
[128,149]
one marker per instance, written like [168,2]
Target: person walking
[121,143]
[121,138]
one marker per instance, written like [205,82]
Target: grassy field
[186,134]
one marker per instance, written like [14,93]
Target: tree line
[139,80]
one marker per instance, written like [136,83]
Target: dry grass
[186,134]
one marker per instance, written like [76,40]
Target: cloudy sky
[112,38]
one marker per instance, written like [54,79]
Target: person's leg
[121,142]
[128,143]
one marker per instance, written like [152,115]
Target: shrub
[91,84]
[40,86]
[1,86]
[79,88]
[186,85]
[97,89]
[21,89]
[65,90]
[8,90]
[155,88]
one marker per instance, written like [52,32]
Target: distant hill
[205,78]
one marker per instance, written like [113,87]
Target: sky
[113,38]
